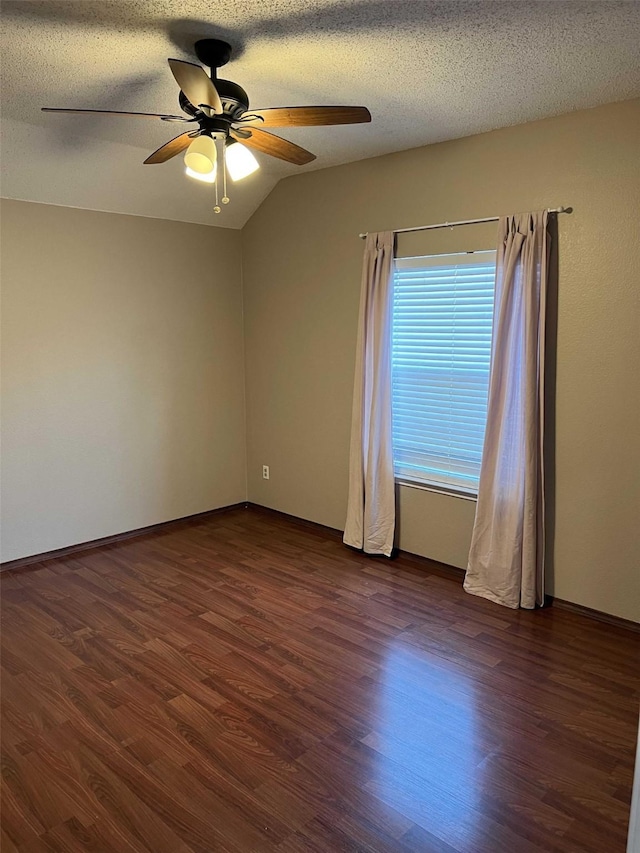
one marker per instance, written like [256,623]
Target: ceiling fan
[218,112]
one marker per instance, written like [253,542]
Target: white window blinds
[442,319]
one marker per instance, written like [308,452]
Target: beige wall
[122,374]
[122,361]
[301,269]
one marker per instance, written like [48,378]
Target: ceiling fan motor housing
[235,101]
[234,98]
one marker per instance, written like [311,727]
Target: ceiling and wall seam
[286,178]
[120,213]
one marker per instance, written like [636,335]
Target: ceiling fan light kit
[239,160]
[222,128]
[201,155]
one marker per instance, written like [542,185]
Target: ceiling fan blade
[309,116]
[195,84]
[116,113]
[171,148]
[269,143]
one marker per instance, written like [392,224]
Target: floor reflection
[428,742]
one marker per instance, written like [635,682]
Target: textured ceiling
[428,71]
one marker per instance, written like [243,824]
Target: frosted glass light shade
[206,177]
[240,161]
[201,155]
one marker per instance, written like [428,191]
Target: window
[441,349]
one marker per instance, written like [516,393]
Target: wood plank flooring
[246,684]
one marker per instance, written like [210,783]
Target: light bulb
[201,155]
[240,161]
[207,178]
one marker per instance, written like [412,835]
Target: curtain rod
[463,222]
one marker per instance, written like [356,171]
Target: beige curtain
[371,513]
[506,560]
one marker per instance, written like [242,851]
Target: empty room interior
[320,426]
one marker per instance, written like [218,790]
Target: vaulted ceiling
[428,71]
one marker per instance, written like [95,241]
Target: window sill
[450,491]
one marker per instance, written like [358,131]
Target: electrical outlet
[265,472]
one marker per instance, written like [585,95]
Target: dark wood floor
[248,684]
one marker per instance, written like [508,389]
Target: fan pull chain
[225,197]
[217,208]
